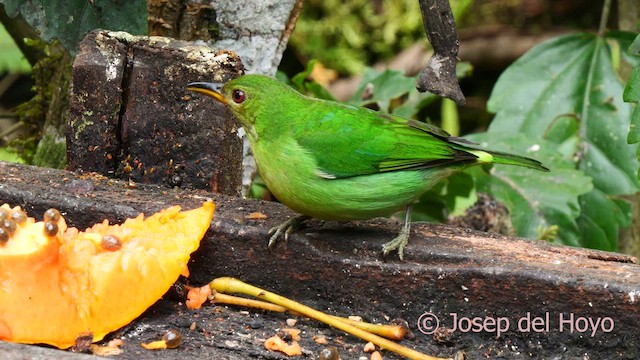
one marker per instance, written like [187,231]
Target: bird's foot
[286,228]
[398,243]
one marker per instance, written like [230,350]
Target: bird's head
[247,97]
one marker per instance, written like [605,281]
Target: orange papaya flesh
[57,282]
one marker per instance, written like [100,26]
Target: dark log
[132,117]
[449,272]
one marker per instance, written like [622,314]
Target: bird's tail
[495,157]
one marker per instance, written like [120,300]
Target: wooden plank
[454,274]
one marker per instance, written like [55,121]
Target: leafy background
[566,92]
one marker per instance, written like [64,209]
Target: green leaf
[632,90]
[450,196]
[632,95]
[534,199]
[10,155]
[305,84]
[634,48]
[414,102]
[601,218]
[12,59]
[70,20]
[380,87]
[573,76]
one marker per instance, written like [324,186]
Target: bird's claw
[398,243]
[286,228]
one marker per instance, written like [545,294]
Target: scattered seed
[291,322]
[443,335]
[460,355]
[286,336]
[257,216]
[175,180]
[369,347]
[173,338]
[376,355]
[320,339]
[329,353]
[111,243]
[83,343]
[116,342]
[52,215]
[50,228]
[256,324]
[292,334]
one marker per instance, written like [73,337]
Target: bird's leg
[403,238]
[287,228]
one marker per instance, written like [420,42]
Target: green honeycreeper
[335,161]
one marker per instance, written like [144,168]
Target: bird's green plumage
[339,162]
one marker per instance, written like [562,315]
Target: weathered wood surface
[132,117]
[448,272]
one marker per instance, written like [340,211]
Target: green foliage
[10,155]
[306,85]
[632,94]
[51,151]
[387,90]
[350,35]
[535,199]
[354,33]
[564,95]
[12,59]
[383,89]
[70,20]
[451,196]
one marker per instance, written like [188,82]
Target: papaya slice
[57,283]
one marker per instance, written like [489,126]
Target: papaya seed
[4,236]
[50,228]
[4,214]
[111,243]
[52,215]
[18,216]
[173,338]
[9,225]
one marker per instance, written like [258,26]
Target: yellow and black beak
[209,89]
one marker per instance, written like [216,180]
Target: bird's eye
[238,96]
